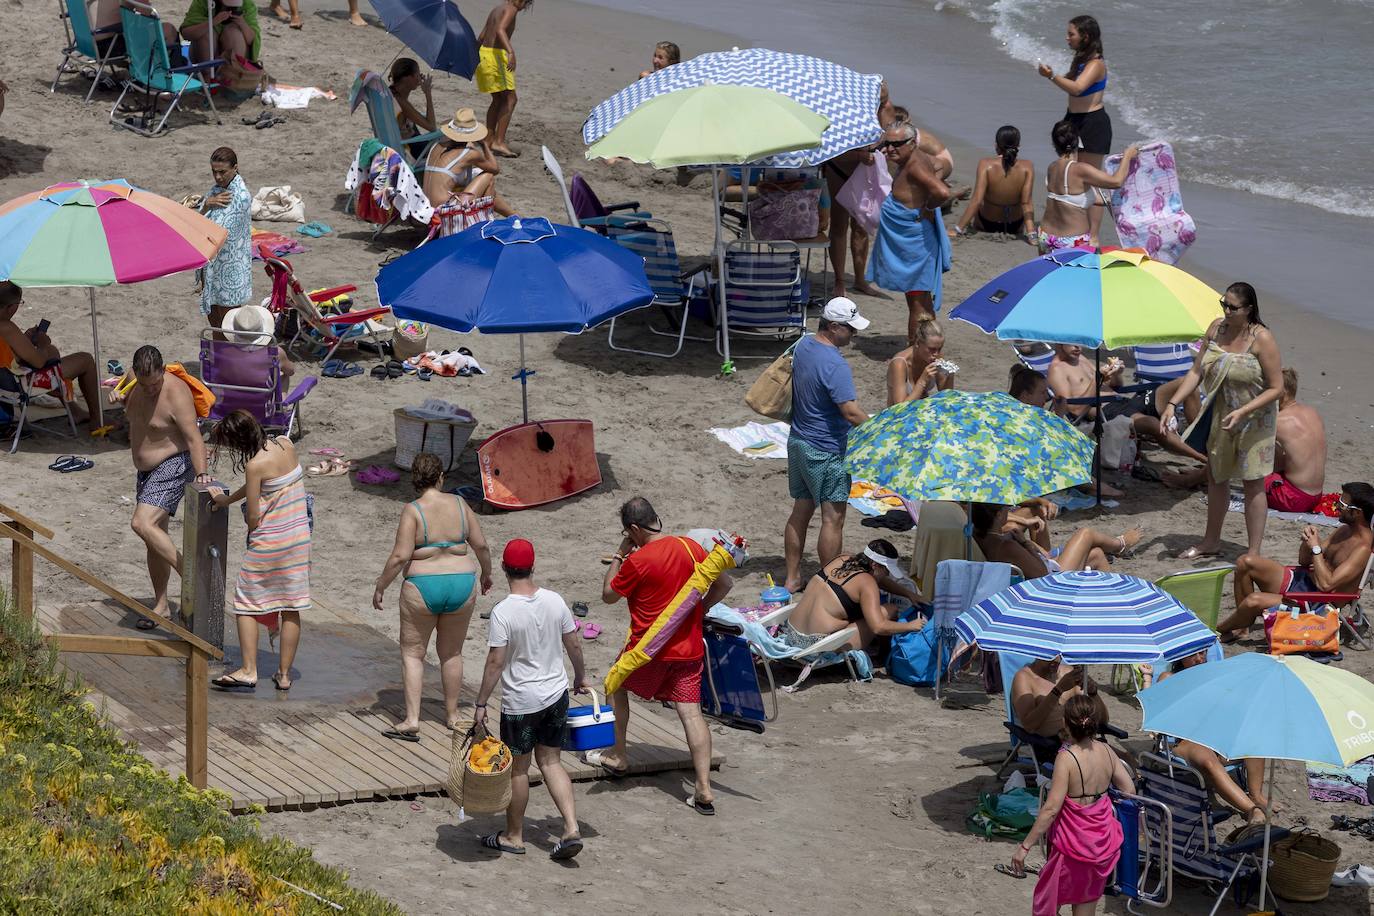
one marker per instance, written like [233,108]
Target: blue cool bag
[912,659]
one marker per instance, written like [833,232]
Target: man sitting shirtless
[1039,692]
[1299,453]
[1334,566]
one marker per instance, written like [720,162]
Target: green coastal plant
[87,825]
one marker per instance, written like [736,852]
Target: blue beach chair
[674,288]
[372,91]
[151,72]
[765,293]
[81,50]
[732,693]
[1160,363]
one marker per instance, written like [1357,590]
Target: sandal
[493,841]
[276,682]
[1194,553]
[591,631]
[328,451]
[566,849]
[338,467]
[376,475]
[229,682]
[78,464]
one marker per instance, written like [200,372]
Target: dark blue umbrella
[433,29]
[514,276]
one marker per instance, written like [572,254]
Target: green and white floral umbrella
[970,448]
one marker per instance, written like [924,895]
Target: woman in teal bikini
[440,546]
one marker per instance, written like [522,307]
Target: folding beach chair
[1039,750]
[18,390]
[81,51]
[371,90]
[1185,840]
[1160,363]
[949,603]
[765,293]
[582,205]
[152,74]
[1347,604]
[732,693]
[652,240]
[246,375]
[327,332]
[1200,591]
[825,652]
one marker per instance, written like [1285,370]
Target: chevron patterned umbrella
[1089,618]
[848,99]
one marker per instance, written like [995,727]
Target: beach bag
[1290,633]
[445,437]
[863,194]
[241,77]
[912,660]
[771,393]
[479,774]
[782,215]
[1302,866]
[278,203]
[1009,814]
[411,339]
[458,214]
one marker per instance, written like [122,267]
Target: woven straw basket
[445,438]
[476,793]
[1303,864]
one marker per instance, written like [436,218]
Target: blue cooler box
[590,727]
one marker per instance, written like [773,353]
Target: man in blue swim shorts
[824,407]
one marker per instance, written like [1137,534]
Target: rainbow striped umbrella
[96,233]
[1097,298]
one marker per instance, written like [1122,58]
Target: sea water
[1269,105]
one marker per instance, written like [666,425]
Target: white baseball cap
[842,310]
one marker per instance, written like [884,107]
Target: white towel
[743,438]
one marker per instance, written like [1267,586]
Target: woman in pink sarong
[1084,834]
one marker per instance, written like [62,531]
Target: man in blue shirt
[824,407]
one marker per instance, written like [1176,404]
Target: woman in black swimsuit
[845,593]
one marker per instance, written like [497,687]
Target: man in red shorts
[648,570]
[1335,566]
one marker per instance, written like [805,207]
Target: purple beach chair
[245,374]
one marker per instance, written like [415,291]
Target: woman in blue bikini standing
[1086,85]
[439,545]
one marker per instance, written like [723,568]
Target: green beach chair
[372,91]
[81,51]
[151,72]
[1199,590]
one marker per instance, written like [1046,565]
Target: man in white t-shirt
[524,636]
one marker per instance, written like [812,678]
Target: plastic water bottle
[186,51]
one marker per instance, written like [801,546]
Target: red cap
[519,554]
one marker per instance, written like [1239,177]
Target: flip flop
[80,464]
[348,370]
[276,682]
[396,735]
[380,372]
[591,631]
[394,369]
[566,849]
[61,462]
[318,470]
[328,451]
[229,682]
[377,475]
[1003,868]
[314,230]
[331,368]
[143,623]
[580,609]
[594,758]
[705,809]
[338,467]
[114,367]
[1192,553]
[493,841]
[425,375]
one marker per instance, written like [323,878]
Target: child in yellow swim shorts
[496,70]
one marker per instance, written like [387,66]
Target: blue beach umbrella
[848,99]
[1089,618]
[516,276]
[433,29]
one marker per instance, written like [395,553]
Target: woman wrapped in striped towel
[275,577]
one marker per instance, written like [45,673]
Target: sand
[856,797]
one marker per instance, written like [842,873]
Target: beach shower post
[205,541]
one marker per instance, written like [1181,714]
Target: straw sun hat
[464,128]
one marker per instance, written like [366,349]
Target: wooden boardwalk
[321,742]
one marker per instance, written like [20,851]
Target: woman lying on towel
[846,593]
[1006,540]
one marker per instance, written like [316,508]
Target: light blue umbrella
[1267,706]
[848,99]
[1088,618]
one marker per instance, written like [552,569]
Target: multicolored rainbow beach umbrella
[97,233]
[1094,297]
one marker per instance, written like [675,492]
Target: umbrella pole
[1097,423]
[99,366]
[724,320]
[523,376]
[1268,810]
[968,532]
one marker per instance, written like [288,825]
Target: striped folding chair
[1037,356]
[652,240]
[1160,363]
[765,293]
[1189,842]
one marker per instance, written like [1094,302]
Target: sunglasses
[626,531]
[1227,306]
[895,144]
[1341,505]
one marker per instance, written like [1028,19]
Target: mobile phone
[236,11]
[43,326]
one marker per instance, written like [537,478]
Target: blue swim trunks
[815,475]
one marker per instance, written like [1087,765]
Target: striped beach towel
[276,567]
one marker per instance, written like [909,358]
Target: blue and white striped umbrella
[1089,618]
[848,98]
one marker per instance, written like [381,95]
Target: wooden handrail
[100,585]
[27,522]
[120,645]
